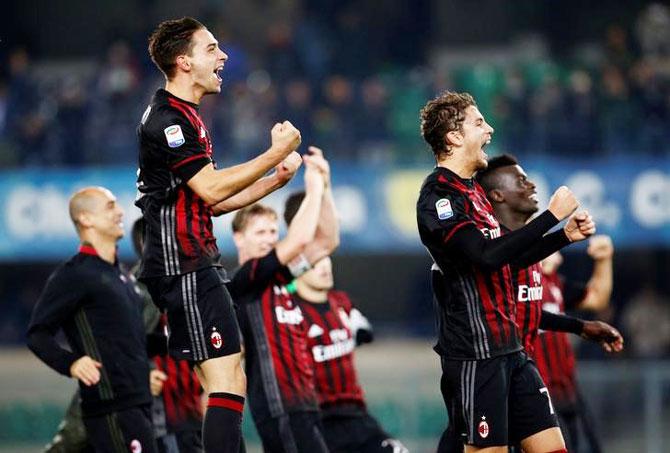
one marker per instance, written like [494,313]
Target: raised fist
[600,247]
[286,137]
[287,168]
[580,226]
[562,203]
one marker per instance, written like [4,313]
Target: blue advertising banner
[628,197]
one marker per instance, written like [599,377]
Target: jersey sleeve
[59,301]
[442,214]
[256,274]
[184,153]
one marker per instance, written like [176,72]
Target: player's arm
[599,287]
[58,301]
[303,227]
[283,173]
[255,274]
[453,227]
[597,331]
[579,227]
[215,186]
[327,236]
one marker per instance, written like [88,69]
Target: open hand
[86,370]
[608,337]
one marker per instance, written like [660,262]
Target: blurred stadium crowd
[354,93]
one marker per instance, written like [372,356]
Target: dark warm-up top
[99,308]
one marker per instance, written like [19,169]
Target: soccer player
[99,309]
[514,201]
[334,327]
[282,395]
[494,394]
[180,189]
[553,351]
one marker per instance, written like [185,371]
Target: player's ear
[183,63]
[84,220]
[237,239]
[496,195]
[453,138]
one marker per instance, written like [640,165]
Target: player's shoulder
[442,182]
[341,298]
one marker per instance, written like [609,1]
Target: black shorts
[128,430]
[358,434]
[497,401]
[201,318]
[296,432]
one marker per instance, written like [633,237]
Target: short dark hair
[292,205]
[169,40]
[242,216]
[441,115]
[137,234]
[486,178]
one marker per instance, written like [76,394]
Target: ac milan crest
[217,342]
[483,428]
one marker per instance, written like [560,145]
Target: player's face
[106,216]
[477,134]
[519,191]
[207,61]
[260,236]
[320,277]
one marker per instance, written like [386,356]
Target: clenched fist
[600,247]
[286,137]
[563,203]
[287,168]
[580,226]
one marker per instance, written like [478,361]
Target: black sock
[222,426]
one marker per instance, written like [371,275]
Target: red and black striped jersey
[474,304]
[174,146]
[181,393]
[553,352]
[280,373]
[528,289]
[331,341]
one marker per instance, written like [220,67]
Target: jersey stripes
[475,305]
[331,343]
[181,393]
[553,352]
[179,235]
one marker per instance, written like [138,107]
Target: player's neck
[511,219]
[105,248]
[313,295]
[463,169]
[183,88]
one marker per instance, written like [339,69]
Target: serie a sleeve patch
[443,208]
[174,136]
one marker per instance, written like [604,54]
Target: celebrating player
[494,394]
[282,396]
[179,191]
[334,327]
